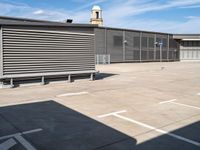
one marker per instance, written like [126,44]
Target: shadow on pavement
[101,76]
[166,142]
[51,126]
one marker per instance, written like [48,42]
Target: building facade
[31,48]
[123,45]
[189,46]
[35,48]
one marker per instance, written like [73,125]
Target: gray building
[36,48]
[189,46]
[123,45]
[32,48]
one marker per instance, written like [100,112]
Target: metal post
[1,83]
[140,46]
[148,49]
[69,78]
[168,48]
[11,83]
[42,81]
[155,49]
[160,52]
[124,45]
[106,52]
[91,76]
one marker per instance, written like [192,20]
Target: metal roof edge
[134,30]
[33,22]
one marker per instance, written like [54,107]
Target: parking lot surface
[130,106]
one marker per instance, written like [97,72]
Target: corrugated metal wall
[31,50]
[129,51]
[135,45]
[100,40]
[115,50]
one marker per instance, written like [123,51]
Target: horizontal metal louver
[28,51]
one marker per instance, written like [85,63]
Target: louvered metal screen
[32,51]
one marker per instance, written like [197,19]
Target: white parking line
[25,132]
[167,101]
[109,114]
[19,138]
[181,104]
[117,114]
[24,102]
[7,144]
[72,94]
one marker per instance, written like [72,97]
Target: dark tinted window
[144,42]
[136,42]
[117,41]
[151,42]
[190,43]
[164,42]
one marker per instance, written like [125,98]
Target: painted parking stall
[50,125]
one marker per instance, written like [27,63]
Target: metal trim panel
[15,21]
[133,30]
[48,74]
[46,31]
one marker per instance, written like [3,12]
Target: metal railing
[102,59]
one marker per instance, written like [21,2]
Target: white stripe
[32,131]
[25,132]
[172,102]
[185,105]
[110,114]
[198,94]
[158,130]
[24,102]
[163,102]
[24,142]
[7,144]
[72,94]
[116,114]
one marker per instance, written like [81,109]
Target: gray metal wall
[135,45]
[31,50]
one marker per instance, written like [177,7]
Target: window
[97,15]
[117,41]
[144,42]
[172,44]
[151,42]
[136,42]
[164,42]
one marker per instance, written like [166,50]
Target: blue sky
[173,16]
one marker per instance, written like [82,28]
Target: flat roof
[134,30]
[187,36]
[5,20]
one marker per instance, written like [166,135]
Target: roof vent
[69,20]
